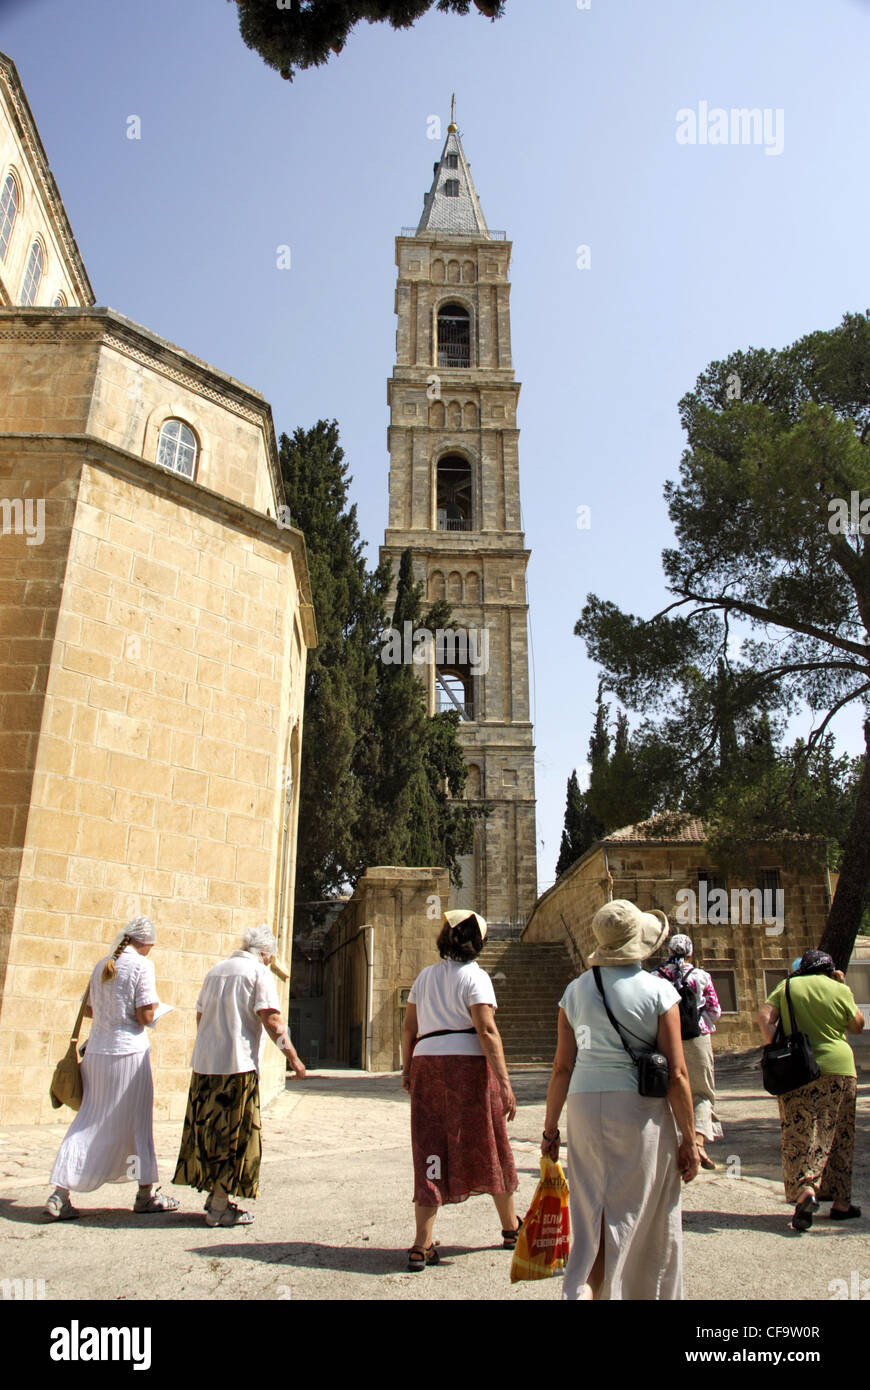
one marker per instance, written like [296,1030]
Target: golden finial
[452,125]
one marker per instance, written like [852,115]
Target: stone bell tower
[455,501]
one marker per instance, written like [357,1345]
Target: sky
[569,118]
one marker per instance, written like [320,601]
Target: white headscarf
[141,929]
[259,939]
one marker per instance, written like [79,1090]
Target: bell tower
[455,501]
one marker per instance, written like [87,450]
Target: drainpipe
[370,990]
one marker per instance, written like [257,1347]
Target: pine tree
[303,33]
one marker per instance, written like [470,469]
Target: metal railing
[451,523]
[468,236]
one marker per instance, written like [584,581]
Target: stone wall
[402,909]
[152,657]
[650,875]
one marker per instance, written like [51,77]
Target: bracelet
[550,1138]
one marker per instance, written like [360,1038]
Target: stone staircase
[529,980]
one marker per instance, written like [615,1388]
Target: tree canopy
[294,34]
[771,514]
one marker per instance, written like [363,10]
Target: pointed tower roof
[452,204]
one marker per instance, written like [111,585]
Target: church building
[455,502]
[155,616]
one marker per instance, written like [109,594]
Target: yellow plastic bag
[542,1244]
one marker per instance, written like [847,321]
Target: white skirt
[622,1172]
[111,1139]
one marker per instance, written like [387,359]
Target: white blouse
[115,1030]
[230,1037]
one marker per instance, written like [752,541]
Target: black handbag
[788,1062]
[653,1072]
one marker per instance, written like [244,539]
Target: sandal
[60,1208]
[230,1216]
[849,1215]
[803,1214]
[509,1238]
[418,1258]
[156,1201]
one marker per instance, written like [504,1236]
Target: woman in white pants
[112,1137]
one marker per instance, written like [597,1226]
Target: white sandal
[230,1216]
[60,1208]
[156,1201]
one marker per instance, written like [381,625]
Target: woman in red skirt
[461,1094]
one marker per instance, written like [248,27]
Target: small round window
[177,447]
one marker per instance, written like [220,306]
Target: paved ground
[333,1218]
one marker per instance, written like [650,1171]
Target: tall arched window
[454,336]
[8,212]
[32,275]
[453,493]
[176,448]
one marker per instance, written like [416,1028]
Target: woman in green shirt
[818,1120]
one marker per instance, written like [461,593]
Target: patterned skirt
[818,1138]
[221,1142]
[458,1131]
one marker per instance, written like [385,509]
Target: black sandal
[509,1238]
[849,1215]
[803,1214]
[418,1258]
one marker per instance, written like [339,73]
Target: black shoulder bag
[653,1073]
[788,1061]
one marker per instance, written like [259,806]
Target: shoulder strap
[791,1018]
[596,972]
[77,1028]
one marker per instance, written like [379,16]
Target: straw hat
[625,934]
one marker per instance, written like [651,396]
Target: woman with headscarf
[625,1157]
[111,1138]
[221,1143]
[818,1120]
[697,1050]
[461,1094]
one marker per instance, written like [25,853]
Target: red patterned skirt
[458,1131]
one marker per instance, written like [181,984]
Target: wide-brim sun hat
[626,935]
[457,915]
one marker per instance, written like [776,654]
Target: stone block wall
[161,701]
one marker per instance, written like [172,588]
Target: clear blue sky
[568,117]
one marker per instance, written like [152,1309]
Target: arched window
[59,300]
[176,448]
[32,275]
[8,212]
[453,492]
[454,336]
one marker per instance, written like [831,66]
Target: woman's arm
[145,1014]
[679,1091]
[856,1024]
[277,1030]
[560,1079]
[409,1039]
[768,1018]
[483,1018]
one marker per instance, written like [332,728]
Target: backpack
[690,1006]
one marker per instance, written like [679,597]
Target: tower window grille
[453,491]
[454,336]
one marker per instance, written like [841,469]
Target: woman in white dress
[112,1137]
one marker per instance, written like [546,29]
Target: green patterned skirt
[221,1142]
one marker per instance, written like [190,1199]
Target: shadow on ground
[359,1259]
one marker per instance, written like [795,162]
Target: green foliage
[380,781]
[774,438]
[292,34]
